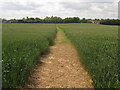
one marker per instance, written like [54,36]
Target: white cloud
[62,8]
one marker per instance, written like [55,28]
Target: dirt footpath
[60,68]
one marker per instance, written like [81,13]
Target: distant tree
[71,20]
[3,20]
[56,19]
[13,21]
[76,19]
[38,20]
[27,17]
[53,19]
[20,21]
[84,20]
[110,21]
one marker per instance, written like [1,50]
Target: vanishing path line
[60,68]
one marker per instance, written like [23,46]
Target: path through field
[60,68]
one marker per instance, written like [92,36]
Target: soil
[60,68]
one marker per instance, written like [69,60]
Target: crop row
[97,46]
[23,44]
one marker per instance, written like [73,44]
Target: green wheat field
[97,46]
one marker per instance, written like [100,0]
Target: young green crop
[97,46]
[22,45]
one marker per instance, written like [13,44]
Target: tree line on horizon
[55,19]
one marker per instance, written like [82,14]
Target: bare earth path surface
[60,68]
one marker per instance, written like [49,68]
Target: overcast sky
[63,8]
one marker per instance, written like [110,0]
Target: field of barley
[97,47]
[23,44]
